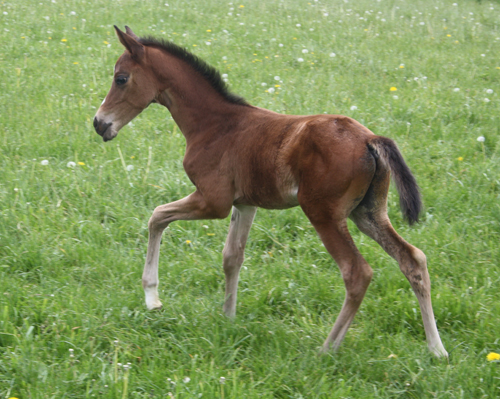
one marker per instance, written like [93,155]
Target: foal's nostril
[95,123]
[100,126]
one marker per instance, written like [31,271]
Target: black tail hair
[386,150]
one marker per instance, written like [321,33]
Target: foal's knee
[232,258]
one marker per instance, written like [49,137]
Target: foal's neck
[196,107]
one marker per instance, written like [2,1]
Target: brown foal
[242,157]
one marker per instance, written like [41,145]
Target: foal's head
[133,89]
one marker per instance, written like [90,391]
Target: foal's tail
[383,148]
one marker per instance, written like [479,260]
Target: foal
[242,157]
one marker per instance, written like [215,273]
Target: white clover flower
[298,25]
[71,164]
[208,43]
[486,100]
[16,189]
[305,51]
[332,55]
[72,13]
[354,108]
[277,78]
[224,75]
[263,84]
[270,90]
[483,55]
[456,89]
[422,23]
[481,139]
[281,44]
[325,14]
[186,380]
[222,380]
[45,162]
[489,91]
[300,59]
[395,97]
[130,168]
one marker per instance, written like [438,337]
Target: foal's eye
[121,80]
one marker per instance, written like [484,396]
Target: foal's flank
[243,157]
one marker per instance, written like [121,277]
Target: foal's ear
[131,43]
[129,32]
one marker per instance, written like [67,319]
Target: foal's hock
[243,157]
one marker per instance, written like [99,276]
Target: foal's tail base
[386,150]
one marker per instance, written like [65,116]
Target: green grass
[73,240]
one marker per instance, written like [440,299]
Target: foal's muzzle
[101,128]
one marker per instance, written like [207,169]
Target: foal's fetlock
[152,300]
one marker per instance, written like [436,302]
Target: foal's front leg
[234,253]
[192,207]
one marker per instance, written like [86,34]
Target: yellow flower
[188,241]
[210,234]
[75,63]
[277,85]
[242,6]
[81,163]
[493,356]
[448,35]
[393,88]
[105,42]
[209,30]
[64,40]
[402,66]
[392,356]
[460,158]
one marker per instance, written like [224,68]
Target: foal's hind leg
[356,272]
[234,253]
[412,262]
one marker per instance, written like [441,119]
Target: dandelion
[105,42]
[186,380]
[305,51]
[71,164]
[209,30]
[456,89]
[45,162]
[401,66]
[300,59]
[481,139]
[486,100]
[188,242]
[130,168]
[354,108]
[222,380]
[277,78]
[492,356]
[489,91]
[393,88]
[460,159]
[332,55]
[270,90]
[81,163]
[64,40]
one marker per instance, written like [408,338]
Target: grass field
[73,323]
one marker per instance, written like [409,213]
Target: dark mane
[211,74]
